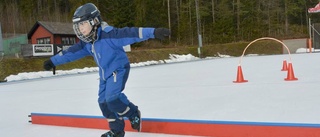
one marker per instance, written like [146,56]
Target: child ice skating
[105,43]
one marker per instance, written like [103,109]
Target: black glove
[161,33]
[47,65]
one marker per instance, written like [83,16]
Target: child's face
[85,28]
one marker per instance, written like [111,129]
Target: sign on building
[60,47]
[42,49]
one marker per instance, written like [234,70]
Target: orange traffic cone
[284,66]
[290,75]
[240,78]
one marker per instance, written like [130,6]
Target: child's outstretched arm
[125,36]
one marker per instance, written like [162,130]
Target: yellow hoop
[268,38]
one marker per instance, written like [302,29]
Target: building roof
[53,27]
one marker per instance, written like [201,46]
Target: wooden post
[310,45]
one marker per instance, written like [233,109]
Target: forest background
[222,21]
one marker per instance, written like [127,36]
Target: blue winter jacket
[107,50]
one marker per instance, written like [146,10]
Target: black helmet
[86,13]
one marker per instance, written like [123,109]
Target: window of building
[43,41]
[73,40]
[68,40]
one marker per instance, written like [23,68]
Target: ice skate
[135,121]
[113,134]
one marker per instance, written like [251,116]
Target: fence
[11,45]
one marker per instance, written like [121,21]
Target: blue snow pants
[114,102]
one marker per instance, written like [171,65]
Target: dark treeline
[222,21]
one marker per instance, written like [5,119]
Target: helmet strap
[94,31]
[95,24]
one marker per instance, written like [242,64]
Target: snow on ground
[173,58]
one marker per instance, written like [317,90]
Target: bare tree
[238,17]
[213,12]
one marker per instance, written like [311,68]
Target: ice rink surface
[195,90]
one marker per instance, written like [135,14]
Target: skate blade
[140,127]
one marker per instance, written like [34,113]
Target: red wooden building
[44,32]
[48,38]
